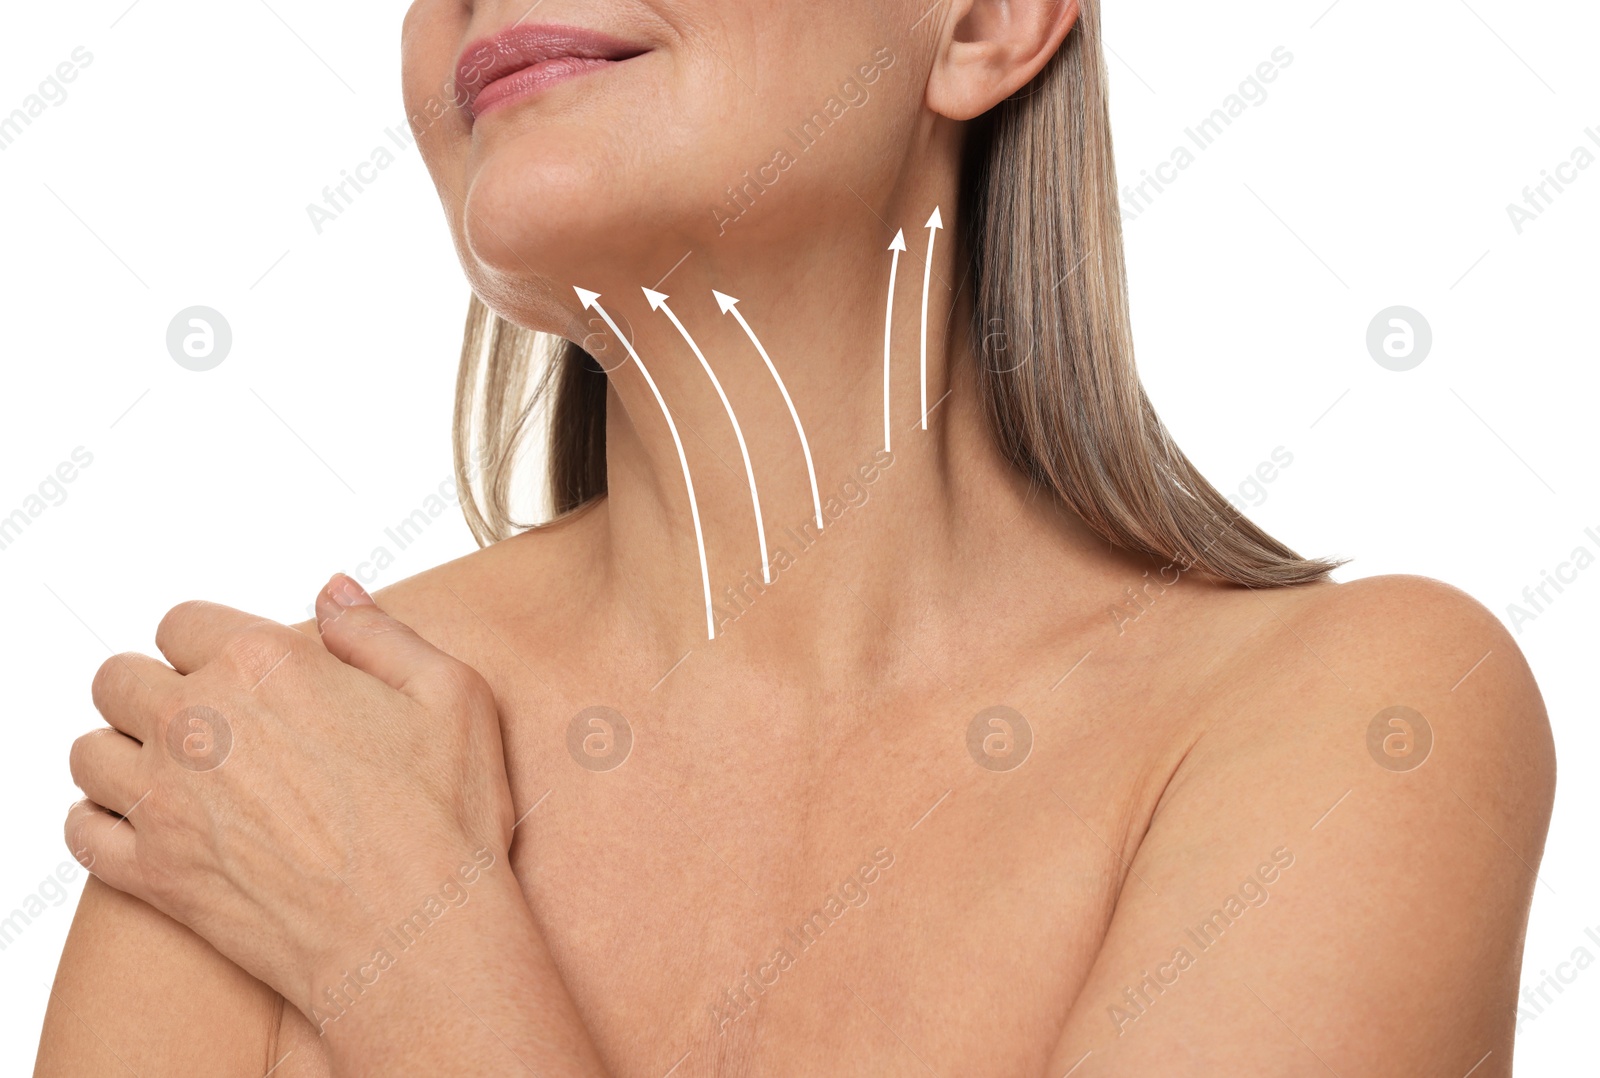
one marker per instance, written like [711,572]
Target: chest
[736,885]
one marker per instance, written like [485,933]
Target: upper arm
[138,993]
[1308,898]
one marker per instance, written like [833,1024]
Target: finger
[191,634]
[358,632]
[105,766]
[131,692]
[104,844]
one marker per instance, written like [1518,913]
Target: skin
[1174,754]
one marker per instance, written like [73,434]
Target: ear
[991,49]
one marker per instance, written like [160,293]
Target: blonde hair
[1042,234]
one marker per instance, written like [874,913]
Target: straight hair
[1041,230]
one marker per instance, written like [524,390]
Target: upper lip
[517,47]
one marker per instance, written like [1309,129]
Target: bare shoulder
[525,584]
[1391,676]
[1412,644]
[200,1013]
[1396,616]
[1350,843]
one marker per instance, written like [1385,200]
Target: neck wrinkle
[900,530]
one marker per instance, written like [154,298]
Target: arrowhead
[935,221]
[724,301]
[656,299]
[588,298]
[899,243]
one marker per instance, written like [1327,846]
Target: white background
[1377,173]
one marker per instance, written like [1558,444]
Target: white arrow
[729,305]
[658,302]
[935,223]
[897,246]
[591,302]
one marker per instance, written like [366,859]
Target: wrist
[430,895]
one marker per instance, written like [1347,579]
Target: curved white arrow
[591,302]
[729,305]
[935,223]
[658,302]
[897,246]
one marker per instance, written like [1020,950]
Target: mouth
[521,60]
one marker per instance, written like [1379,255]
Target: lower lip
[530,80]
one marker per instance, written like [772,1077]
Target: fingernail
[347,592]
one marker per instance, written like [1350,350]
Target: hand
[289,802]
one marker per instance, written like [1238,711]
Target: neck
[911,517]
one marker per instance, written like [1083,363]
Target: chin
[563,215]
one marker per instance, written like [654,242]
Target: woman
[889,695]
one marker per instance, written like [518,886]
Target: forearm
[476,993]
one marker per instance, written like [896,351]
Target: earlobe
[990,49]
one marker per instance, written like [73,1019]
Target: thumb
[356,631]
